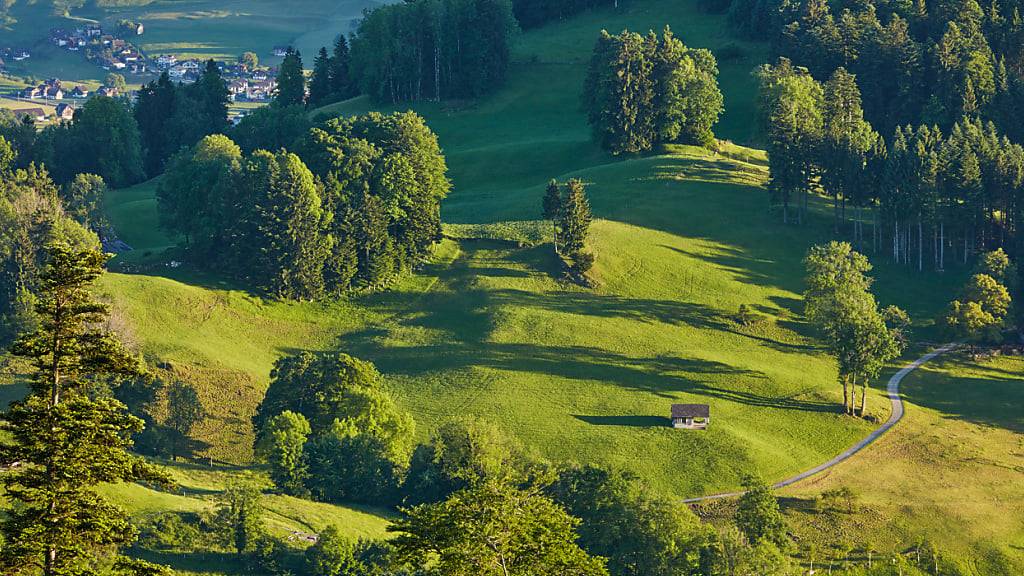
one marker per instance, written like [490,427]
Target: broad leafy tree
[496,529]
[281,445]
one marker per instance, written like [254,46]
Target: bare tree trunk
[942,245]
[864,398]
[920,244]
[846,395]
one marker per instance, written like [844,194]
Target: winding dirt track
[893,390]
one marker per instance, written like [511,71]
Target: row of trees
[924,194]
[332,77]
[354,203]
[172,116]
[643,91]
[860,336]
[122,142]
[433,49]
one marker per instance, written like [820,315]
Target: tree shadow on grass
[662,376]
[204,562]
[631,421]
[994,399]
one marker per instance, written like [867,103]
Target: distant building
[691,416]
[35,114]
[79,92]
[65,112]
[139,29]
[32,92]
[280,50]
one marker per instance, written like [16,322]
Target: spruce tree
[553,208]
[290,245]
[64,441]
[576,218]
[291,82]
[320,82]
[342,84]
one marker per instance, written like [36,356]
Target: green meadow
[951,473]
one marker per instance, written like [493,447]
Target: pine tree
[576,218]
[211,94]
[64,441]
[288,222]
[847,140]
[320,82]
[553,208]
[343,86]
[154,105]
[291,82]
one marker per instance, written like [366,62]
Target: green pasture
[951,473]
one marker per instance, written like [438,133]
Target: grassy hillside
[196,492]
[587,375]
[490,328]
[952,473]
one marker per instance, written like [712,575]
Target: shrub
[171,531]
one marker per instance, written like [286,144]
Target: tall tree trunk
[920,244]
[864,398]
[942,245]
[846,395]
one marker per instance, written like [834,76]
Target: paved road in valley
[897,414]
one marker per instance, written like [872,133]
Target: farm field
[196,28]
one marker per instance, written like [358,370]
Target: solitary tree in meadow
[553,208]
[576,217]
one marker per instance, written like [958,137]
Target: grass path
[893,391]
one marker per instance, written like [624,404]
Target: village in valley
[112,50]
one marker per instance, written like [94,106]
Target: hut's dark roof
[691,411]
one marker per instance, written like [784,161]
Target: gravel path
[897,414]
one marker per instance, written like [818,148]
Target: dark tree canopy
[102,139]
[436,49]
[356,204]
[642,91]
